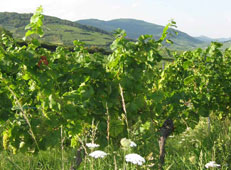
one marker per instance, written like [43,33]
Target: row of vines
[43,92]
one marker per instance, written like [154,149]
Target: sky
[210,18]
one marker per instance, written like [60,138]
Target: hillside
[135,28]
[56,30]
[208,39]
[204,38]
[227,44]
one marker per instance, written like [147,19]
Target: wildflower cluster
[92,145]
[212,164]
[135,159]
[98,154]
[132,158]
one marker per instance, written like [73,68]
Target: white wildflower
[212,164]
[127,143]
[132,144]
[92,145]
[98,154]
[135,159]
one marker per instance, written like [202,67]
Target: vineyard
[63,99]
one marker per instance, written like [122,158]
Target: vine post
[62,147]
[165,131]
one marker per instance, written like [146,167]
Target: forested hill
[227,44]
[93,32]
[56,30]
[135,28]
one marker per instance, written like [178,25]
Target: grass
[190,150]
[196,147]
[45,160]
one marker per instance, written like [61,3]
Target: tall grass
[190,150]
[196,147]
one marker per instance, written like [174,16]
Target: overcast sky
[196,17]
